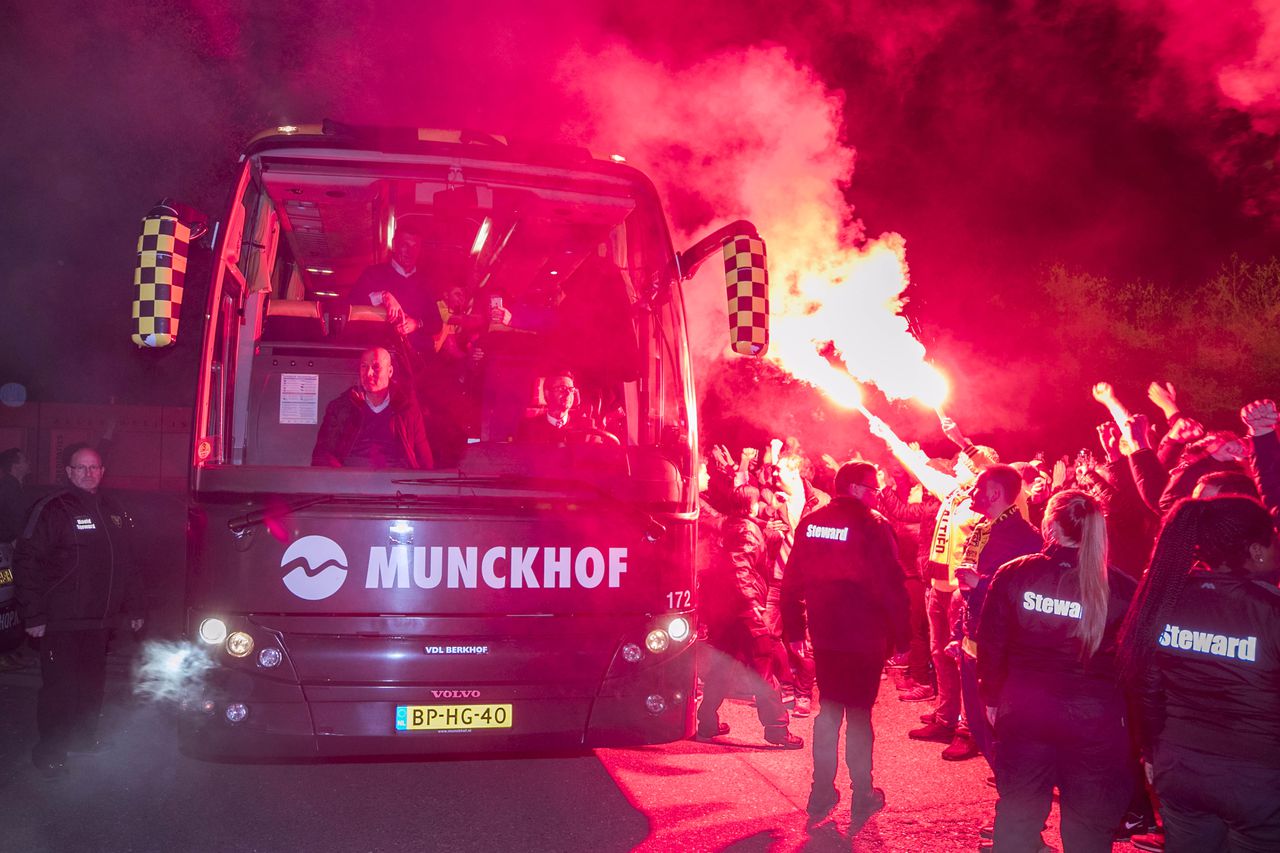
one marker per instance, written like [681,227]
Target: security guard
[75,573]
[1203,643]
[844,580]
[1046,674]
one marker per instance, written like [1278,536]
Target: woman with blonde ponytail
[1047,674]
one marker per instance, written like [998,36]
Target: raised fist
[1260,416]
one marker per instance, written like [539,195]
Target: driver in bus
[373,424]
[557,422]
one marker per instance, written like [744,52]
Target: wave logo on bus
[315,566]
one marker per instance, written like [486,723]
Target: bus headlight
[239,645]
[269,657]
[657,641]
[213,631]
[631,653]
[236,712]
[678,628]
[655,704]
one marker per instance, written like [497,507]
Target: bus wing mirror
[163,246]
[746,278]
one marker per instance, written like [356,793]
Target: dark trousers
[735,653]
[974,711]
[919,659]
[1076,743]
[1210,802]
[848,683]
[73,670]
[790,667]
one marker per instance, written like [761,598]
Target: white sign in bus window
[299,397]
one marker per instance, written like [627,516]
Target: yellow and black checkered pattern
[746,276]
[158,277]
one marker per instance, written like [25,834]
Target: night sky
[1133,140]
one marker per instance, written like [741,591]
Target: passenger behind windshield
[374,424]
[561,421]
[402,288]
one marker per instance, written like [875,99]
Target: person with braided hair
[1202,644]
[1046,674]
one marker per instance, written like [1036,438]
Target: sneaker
[934,730]
[918,693]
[867,804]
[708,732]
[1152,841]
[1133,824]
[803,708]
[822,802]
[780,736]
[898,661]
[962,747]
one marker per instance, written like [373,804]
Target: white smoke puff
[171,672]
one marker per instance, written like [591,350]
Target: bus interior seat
[295,320]
[271,442]
[361,325]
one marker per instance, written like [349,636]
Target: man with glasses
[76,577]
[558,423]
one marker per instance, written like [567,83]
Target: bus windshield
[531,317]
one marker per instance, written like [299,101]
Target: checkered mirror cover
[746,277]
[158,277]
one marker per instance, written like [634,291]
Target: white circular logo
[315,567]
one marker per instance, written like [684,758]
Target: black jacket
[74,563]
[1214,681]
[735,585]
[345,415]
[844,582]
[1026,632]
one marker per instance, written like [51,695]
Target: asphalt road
[740,795]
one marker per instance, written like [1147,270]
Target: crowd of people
[1105,626]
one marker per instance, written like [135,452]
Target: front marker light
[213,631]
[657,641]
[269,657]
[239,645]
[655,704]
[236,712]
[631,653]
[679,629]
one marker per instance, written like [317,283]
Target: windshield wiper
[240,525]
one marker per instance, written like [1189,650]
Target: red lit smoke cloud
[753,134]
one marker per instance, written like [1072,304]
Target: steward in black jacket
[845,584]
[75,571]
[1047,675]
[74,564]
[1202,645]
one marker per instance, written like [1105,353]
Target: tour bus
[514,596]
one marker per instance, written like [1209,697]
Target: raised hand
[952,431]
[1059,473]
[1163,396]
[1260,416]
[1135,433]
[1104,393]
[1186,430]
[1109,438]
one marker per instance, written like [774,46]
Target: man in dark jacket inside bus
[844,581]
[76,574]
[368,426]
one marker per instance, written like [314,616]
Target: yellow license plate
[414,718]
